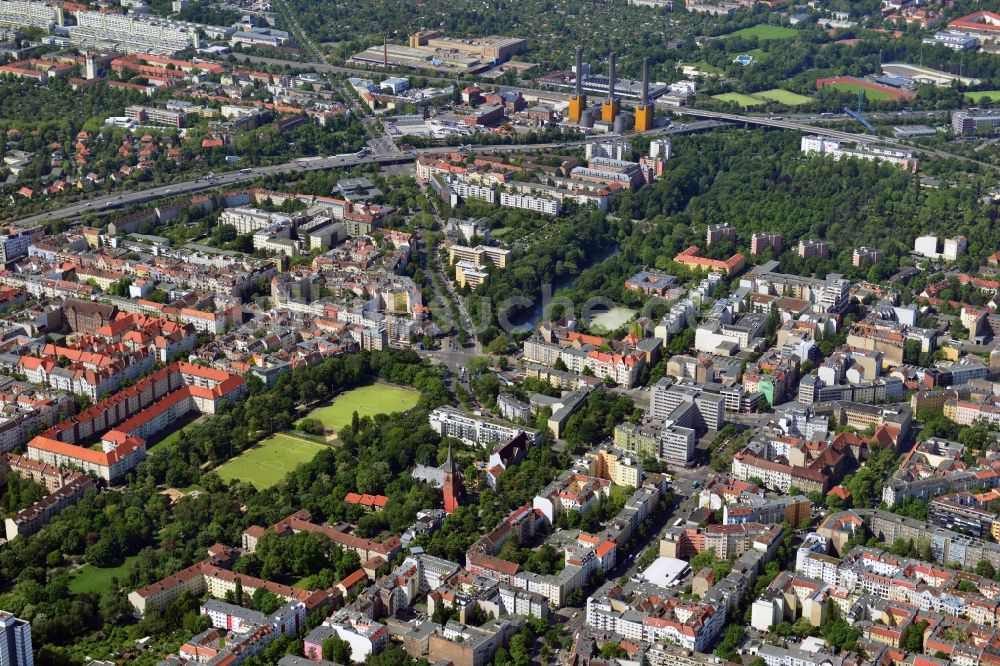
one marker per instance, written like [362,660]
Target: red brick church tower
[452,487]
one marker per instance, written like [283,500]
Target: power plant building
[429,50]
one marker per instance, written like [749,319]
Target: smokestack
[645,82]
[579,71]
[385,51]
[611,77]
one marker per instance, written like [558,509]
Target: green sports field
[873,95]
[765,31]
[366,401]
[992,95]
[741,99]
[268,462]
[785,97]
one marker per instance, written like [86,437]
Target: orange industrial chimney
[610,108]
[578,102]
[644,112]
[385,51]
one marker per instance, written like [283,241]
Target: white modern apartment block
[546,205]
[675,320]
[14,246]
[823,146]
[475,430]
[133,33]
[364,635]
[248,220]
[611,148]
[661,149]
[926,246]
[24,14]
[468,190]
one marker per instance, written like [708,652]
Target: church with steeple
[452,487]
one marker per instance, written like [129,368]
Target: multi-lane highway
[385,152]
[104,204]
[222,180]
[785,123]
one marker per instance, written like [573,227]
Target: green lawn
[96,579]
[992,95]
[760,56]
[785,97]
[872,95]
[741,99]
[765,31]
[268,462]
[168,442]
[366,401]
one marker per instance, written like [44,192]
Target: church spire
[449,462]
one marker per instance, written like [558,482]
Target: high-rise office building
[15,641]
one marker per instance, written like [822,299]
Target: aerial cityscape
[608,333]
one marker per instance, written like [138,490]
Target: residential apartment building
[814,248]
[476,430]
[339,535]
[14,246]
[612,149]
[465,645]
[135,32]
[824,146]
[364,635]
[966,512]
[132,415]
[727,541]
[479,255]
[690,625]
[144,115]
[866,256]
[546,205]
[718,233]
[511,408]
[761,242]
[826,296]
[249,220]
[65,488]
[30,14]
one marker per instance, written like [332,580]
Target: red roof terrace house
[131,416]
[982,24]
